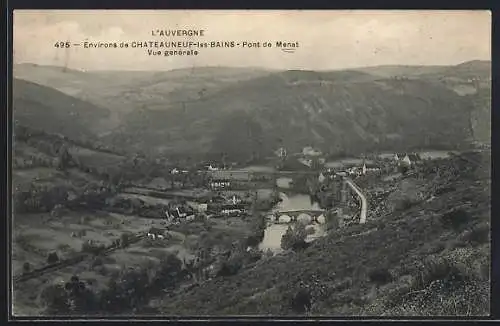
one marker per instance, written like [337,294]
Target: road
[364,201]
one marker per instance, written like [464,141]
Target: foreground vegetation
[426,256]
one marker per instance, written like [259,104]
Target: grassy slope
[44,108]
[406,243]
[125,91]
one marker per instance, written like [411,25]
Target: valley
[229,191]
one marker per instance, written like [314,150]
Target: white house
[281,152]
[310,151]
[212,168]
[411,159]
[369,168]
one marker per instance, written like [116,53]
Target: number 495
[62,45]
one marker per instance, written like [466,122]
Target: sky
[328,40]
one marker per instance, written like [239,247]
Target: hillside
[387,71]
[47,109]
[124,91]
[427,257]
[337,111]
[248,112]
[463,70]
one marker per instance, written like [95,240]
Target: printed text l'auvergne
[177,32]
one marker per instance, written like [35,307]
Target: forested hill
[246,111]
[336,112]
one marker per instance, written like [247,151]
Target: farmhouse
[411,159]
[310,151]
[399,156]
[369,168]
[219,184]
[179,212]
[224,179]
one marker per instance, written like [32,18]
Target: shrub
[380,276]
[26,267]
[479,234]
[97,262]
[52,258]
[294,238]
[125,240]
[55,300]
[301,301]
[456,219]
[438,269]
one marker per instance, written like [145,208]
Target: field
[88,157]
[36,235]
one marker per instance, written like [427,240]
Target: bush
[52,258]
[294,238]
[380,276]
[456,219]
[438,269]
[97,262]
[301,301]
[125,240]
[93,248]
[55,300]
[26,267]
[478,235]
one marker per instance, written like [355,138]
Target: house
[281,152]
[369,168]
[210,167]
[215,166]
[235,199]
[224,179]
[411,159]
[399,156]
[310,151]
[199,207]
[219,184]
[179,212]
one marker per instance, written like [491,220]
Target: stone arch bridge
[294,215]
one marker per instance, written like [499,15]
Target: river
[290,202]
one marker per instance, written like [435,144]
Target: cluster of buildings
[369,167]
[406,159]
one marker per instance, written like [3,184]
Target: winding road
[364,201]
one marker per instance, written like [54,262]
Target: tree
[55,299]
[26,267]
[124,240]
[64,158]
[294,237]
[169,272]
[80,298]
[301,301]
[52,258]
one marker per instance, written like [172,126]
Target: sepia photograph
[239,163]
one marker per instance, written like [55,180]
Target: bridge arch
[304,218]
[284,218]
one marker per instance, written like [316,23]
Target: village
[234,192]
